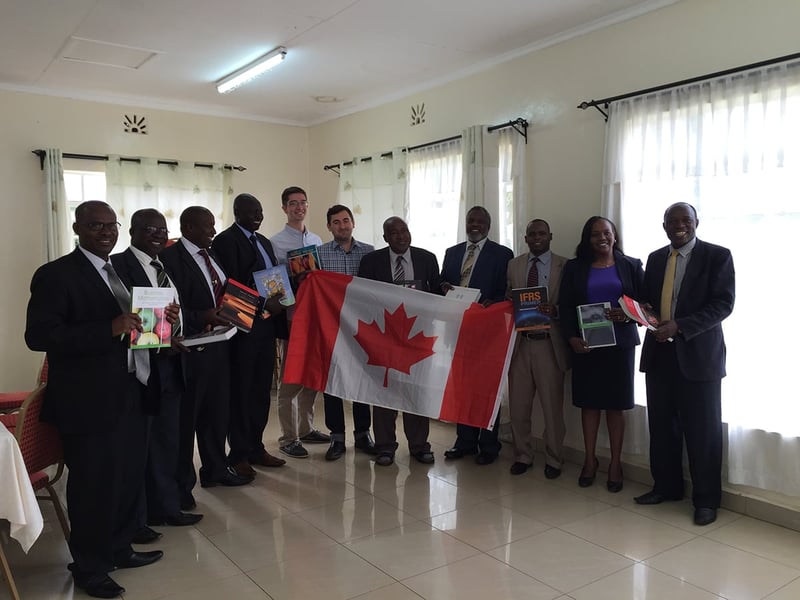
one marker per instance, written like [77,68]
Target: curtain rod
[606,101]
[42,153]
[520,125]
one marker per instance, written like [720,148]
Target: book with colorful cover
[596,329]
[218,334]
[272,281]
[239,305]
[636,312]
[527,315]
[149,303]
[302,260]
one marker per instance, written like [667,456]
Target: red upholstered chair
[11,401]
[40,445]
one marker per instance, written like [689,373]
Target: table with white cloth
[18,503]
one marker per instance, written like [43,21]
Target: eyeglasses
[296,203]
[151,229]
[98,226]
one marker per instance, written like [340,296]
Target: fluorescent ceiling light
[251,71]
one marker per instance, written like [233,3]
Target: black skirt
[603,379]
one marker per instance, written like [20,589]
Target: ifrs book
[527,314]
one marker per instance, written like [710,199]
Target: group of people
[129,419]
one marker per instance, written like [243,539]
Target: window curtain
[480,176]
[731,148]
[434,189]
[169,189]
[374,190]
[58,230]
[511,212]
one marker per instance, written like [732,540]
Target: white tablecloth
[18,503]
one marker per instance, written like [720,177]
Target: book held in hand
[273,281]
[302,260]
[527,313]
[149,303]
[596,330]
[239,305]
[638,313]
[464,294]
[218,334]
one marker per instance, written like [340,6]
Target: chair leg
[7,574]
[62,518]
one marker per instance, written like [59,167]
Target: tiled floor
[349,529]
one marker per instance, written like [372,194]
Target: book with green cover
[149,303]
[596,330]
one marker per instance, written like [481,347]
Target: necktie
[216,282]
[533,274]
[259,258]
[669,286]
[140,359]
[399,271]
[466,270]
[163,281]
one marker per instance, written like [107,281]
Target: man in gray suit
[540,358]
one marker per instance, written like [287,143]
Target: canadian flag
[391,346]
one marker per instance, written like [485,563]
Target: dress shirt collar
[97,262]
[686,249]
[247,233]
[479,244]
[143,257]
[191,247]
[544,258]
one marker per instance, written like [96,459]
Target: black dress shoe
[336,450]
[146,535]
[588,480]
[485,459]
[228,478]
[518,468]
[551,472]
[99,586]
[384,459]
[653,497]
[134,560]
[614,486]
[187,501]
[704,516]
[365,444]
[426,458]
[455,453]
[182,519]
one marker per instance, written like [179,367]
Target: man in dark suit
[139,266]
[93,397]
[205,407]
[402,264]
[242,251]
[684,360]
[481,264]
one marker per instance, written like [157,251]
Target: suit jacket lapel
[93,278]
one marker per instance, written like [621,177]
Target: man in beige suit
[540,359]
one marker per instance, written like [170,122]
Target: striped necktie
[533,274]
[399,271]
[216,282]
[466,270]
[140,360]
[163,281]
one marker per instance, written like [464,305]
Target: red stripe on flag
[479,362]
[314,329]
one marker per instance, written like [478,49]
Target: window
[82,186]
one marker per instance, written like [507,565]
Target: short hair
[388,222]
[483,210]
[686,204]
[191,214]
[532,221]
[138,217]
[336,209]
[83,207]
[242,198]
[289,191]
[583,252]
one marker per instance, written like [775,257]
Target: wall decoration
[417,114]
[135,125]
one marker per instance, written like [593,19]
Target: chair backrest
[39,442]
[43,372]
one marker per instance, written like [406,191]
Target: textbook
[464,294]
[638,313]
[218,334]
[302,260]
[596,330]
[149,303]
[273,281]
[239,305]
[527,316]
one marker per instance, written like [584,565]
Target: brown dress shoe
[267,460]
[244,469]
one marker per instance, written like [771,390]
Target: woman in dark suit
[602,378]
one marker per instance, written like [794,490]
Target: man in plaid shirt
[343,255]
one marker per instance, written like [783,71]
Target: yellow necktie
[466,270]
[669,286]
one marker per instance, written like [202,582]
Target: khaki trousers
[295,407]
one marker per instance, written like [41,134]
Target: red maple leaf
[393,349]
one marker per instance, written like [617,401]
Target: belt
[535,335]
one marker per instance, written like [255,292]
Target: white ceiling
[365,52]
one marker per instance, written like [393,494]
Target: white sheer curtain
[58,229]
[374,190]
[480,175]
[170,189]
[731,147]
[511,211]
[434,191]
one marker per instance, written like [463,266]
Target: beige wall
[565,147]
